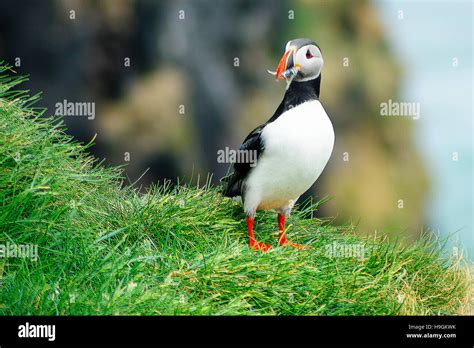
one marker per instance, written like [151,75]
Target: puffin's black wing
[253,142]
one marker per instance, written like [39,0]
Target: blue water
[427,42]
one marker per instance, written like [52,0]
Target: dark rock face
[82,58]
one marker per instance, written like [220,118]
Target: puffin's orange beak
[286,62]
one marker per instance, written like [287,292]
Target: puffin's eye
[309,55]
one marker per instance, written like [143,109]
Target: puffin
[292,147]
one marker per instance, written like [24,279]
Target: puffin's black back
[298,93]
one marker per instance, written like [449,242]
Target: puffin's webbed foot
[282,235]
[253,242]
[256,245]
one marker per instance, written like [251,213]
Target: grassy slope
[109,250]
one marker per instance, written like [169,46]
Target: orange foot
[255,245]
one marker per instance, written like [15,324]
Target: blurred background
[173,82]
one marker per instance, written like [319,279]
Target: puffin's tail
[231,186]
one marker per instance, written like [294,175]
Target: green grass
[106,249]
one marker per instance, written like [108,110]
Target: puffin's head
[302,61]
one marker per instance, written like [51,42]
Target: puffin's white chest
[298,145]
